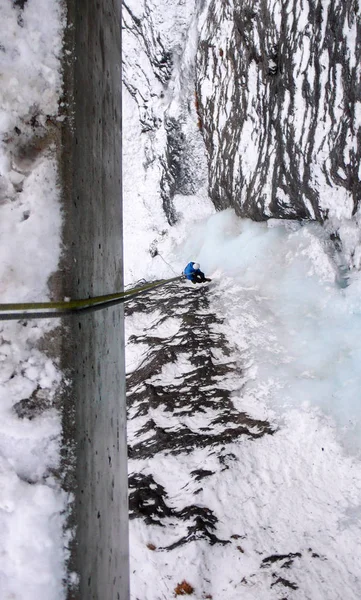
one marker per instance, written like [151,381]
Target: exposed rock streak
[278,91]
[180,400]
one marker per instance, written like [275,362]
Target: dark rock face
[278,92]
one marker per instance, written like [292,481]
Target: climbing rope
[48,310]
[167,263]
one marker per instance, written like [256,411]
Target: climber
[194,274]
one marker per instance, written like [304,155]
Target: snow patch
[33,506]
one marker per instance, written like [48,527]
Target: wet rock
[19,3]
[285,583]
[286,559]
[199,474]
[35,405]
[148,500]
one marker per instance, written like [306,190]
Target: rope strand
[167,263]
[46,310]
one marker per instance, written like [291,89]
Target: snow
[295,332]
[287,503]
[292,520]
[32,505]
[30,74]
[145,224]
[287,277]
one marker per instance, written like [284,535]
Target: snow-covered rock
[159,47]
[278,98]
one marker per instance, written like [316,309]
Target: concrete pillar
[95,411]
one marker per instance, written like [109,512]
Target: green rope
[35,310]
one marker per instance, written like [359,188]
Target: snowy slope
[244,424]
[32,504]
[244,419]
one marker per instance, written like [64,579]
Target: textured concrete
[95,419]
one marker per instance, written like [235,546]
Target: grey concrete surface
[95,411]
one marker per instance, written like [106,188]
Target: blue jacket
[189,271]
